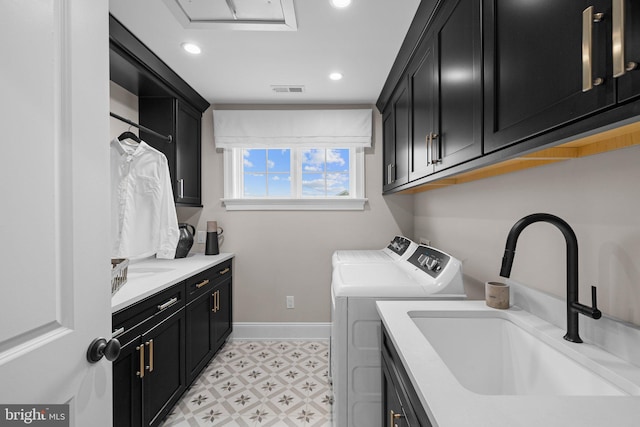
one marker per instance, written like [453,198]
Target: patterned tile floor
[260,383]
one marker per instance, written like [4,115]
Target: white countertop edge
[142,285]
[448,404]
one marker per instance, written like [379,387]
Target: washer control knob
[423,259]
[433,264]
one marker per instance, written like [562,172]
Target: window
[286,178]
[293,159]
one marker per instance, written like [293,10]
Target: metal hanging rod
[167,138]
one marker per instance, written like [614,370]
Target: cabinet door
[164,380]
[534,67]
[422,82]
[222,313]
[629,83]
[459,51]
[199,334]
[396,143]
[127,386]
[187,140]
[392,412]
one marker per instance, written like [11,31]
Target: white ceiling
[239,67]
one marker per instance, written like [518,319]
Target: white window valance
[292,128]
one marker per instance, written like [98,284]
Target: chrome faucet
[573,306]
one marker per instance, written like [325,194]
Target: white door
[54,180]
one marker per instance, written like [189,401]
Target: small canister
[497,294]
[211,247]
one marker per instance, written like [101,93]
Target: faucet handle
[594,303]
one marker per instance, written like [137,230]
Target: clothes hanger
[129,135]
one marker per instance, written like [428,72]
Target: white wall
[289,252]
[598,196]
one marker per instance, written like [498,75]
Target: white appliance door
[54,221]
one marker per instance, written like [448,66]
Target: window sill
[294,204]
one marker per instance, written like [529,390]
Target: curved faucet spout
[573,306]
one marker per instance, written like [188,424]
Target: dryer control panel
[429,260]
[399,245]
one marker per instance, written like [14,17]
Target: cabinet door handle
[390,174]
[393,417]
[617,37]
[435,159]
[588,18]
[181,184]
[150,345]
[167,304]
[140,372]
[117,332]
[216,301]
[203,283]
[620,67]
[225,271]
[429,144]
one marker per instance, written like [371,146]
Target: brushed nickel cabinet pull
[181,193]
[429,144]
[117,332]
[588,18]
[140,372]
[435,160]
[617,38]
[203,283]
[167,304]
[225,271]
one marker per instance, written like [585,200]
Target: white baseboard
[281,331]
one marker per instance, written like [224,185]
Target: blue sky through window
[324,172]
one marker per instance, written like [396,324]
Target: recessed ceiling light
[335,76]
[340,3]
[191,48]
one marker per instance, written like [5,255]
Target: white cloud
[271,164]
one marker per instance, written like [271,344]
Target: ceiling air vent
[287,89]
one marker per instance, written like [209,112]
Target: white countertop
[449,404]
[149,276]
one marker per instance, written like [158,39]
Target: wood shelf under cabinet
[614,139]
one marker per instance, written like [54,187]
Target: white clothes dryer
[398,249]
[355,361]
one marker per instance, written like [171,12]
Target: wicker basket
[119,267]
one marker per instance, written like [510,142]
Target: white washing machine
[399,248]
[355,362]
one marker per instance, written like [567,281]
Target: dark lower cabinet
[167,339]
[149,376]
[209,315]
[400,404]
[164,382]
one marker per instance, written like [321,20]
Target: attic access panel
[252,15]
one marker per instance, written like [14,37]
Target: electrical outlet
[201,236]
[425,241]
[290,302]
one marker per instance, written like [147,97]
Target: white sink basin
[493,356]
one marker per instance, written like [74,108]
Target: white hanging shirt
[143,213]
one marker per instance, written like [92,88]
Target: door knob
[101,347]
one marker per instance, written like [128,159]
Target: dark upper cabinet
[175,117]
[445,78]
[534,67]
[628,12]
[396,131]
[167,105]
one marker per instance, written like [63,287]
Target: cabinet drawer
[203,282]
[153,309]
